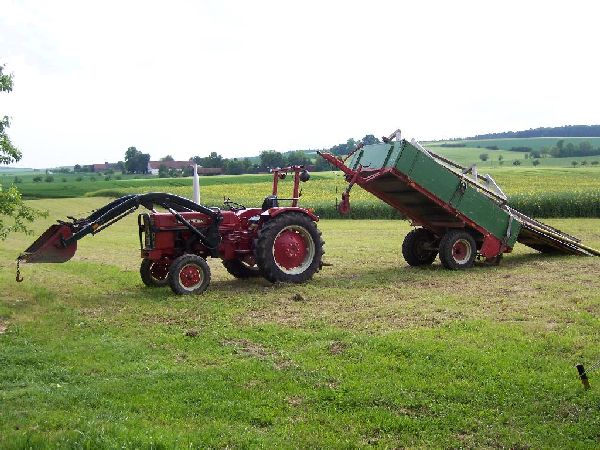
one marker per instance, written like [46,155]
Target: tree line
[136,162]
[563,131]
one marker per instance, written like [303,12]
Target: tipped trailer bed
[461,214]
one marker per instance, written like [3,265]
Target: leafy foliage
[13,212]
[136,161]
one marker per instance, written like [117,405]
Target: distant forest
[564,131]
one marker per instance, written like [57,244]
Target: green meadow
[371,352]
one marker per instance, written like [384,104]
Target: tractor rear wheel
[457,250]
[240,269]
[154,273]
[419,247]
[289,248]
[189,274]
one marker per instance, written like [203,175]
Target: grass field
[470,155]
[371,352]
[534,143]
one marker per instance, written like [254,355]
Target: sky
[187,78]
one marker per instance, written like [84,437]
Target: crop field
[371,352]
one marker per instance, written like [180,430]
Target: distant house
[102,167]
[154,166]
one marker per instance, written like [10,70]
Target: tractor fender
[274,212]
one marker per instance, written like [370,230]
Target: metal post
[196,183]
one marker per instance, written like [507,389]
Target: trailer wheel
[457,250]
[289,248]
[419,247]
[189,274]
[154,273]
[240,269]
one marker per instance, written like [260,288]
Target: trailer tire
[416,247]
[240,269]
[289,248]
[457,250]
[153,273]
[189,274]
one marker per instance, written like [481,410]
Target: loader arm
[58,243]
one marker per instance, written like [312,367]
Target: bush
[79,179]
[18,180]
[484,156]
[517,162]
[584,163]
[520,149]
[492,147]
[107,178]
[92,178]
[49,179]
[594,163]
[64,180]
[574,163]
[118,177]
[536,162]
[37,178]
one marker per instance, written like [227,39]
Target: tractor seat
[270,202]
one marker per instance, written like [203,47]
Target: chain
[593,368]
[19,278]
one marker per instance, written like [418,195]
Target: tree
[136,161]
[14,213]
[484,157]
[167,158]
[270,159]
[536,162]
[296,158]
[234,166]
[213,160]
[500,159]
[370,139]
[574,163]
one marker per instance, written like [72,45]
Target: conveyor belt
[546,239]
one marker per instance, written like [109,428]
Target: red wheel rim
[461,251]
[289,249]
[190,276]
[159,270]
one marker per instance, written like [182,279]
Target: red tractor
[279,243]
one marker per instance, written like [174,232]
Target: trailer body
[440,196]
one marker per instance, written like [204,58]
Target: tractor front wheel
[189,274]
[419,247]
[289,248]
[457,250]
[154,273]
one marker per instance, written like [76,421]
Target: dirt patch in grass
[3,326]
[337,347]
[255,350]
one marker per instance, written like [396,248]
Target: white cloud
[238,77]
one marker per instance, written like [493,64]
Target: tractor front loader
[279,243]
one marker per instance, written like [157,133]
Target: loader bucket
[49,248]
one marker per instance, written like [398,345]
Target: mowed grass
[370,352]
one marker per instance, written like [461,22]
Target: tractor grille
[146,233]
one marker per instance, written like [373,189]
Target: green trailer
[460,214]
